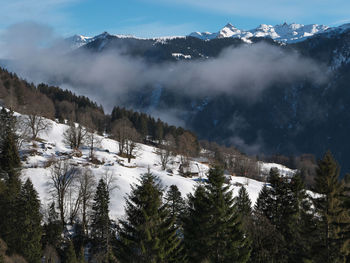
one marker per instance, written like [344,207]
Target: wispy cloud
[45,11]
[340,22]
[244,72]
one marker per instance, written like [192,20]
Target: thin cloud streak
[38,55]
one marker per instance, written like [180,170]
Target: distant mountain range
[288,118]
[286,33]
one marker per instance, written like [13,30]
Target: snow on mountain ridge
[288,33]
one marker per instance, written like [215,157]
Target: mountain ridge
[285,33]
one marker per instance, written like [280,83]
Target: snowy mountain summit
[288,33]
[285,33]
[77,41]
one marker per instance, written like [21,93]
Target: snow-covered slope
[39,153]
[77,41]
[288,33]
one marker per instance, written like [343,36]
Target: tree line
[44,101]
[286,224]
[52,102]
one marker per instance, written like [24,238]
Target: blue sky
[148,18]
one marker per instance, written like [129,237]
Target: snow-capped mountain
[77,41]
[288,33]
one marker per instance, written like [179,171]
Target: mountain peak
[288,33]
[229,25]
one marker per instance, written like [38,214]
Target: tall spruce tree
[176,206]
[243,203]
[263,203]
[29,230]
[148,233]
[9,175]
[52,229]
[220,238]
[281,203]
[100,222]
[334,223]
[175,203]
[196,223]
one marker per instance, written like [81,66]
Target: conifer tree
[334,245]
[176,206]
[175,203]
[228,242]
[100,222]
[263,203]
[52,229]
[148,233]
[29,231]
[221,236]
[9,175]
[9,157]
[196,225]
[281,203]
[243,203]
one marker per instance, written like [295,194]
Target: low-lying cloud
[40,56]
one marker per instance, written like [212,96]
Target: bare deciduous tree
[87,186]
[245,166]
[62,177]
[187,147]
[127,136]
[38,109]
[130,143]
[75,135]
[120,133]
[110,180]
[92,139]
[165,150]
[23,131]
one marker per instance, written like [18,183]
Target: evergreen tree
[52,229]
[9,157]
[334,245]
[148,233]
[263,203]
[220,238]
[267,242]
[176,206]
[9,175]
[100,222]
[227,239]
[29,231]
[281,203]
[243,203]
[175,203]
[196,225]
